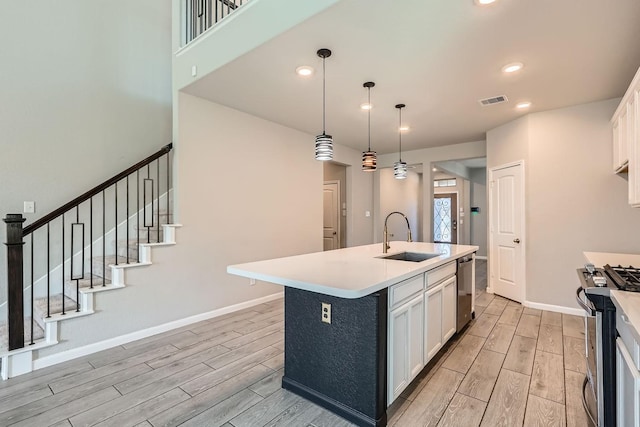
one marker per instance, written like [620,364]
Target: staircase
[49,301]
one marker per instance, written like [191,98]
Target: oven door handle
[590,311]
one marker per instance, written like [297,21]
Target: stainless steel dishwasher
[465,290]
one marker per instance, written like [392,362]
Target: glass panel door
[445,220]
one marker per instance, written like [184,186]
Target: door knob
[516,240]
[335,232]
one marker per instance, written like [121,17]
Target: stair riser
[77,296]
[70,287]
[132,250]
[98,270]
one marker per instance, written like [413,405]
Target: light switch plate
[29,207]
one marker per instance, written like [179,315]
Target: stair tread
[40,305]
[38,333]
[70,285]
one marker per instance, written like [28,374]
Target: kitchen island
[359,327]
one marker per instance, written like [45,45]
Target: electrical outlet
[326,312]
[252,282]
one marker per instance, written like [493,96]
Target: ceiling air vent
[492,101]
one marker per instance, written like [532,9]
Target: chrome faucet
[385,239]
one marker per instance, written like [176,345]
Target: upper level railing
[72,246]
[200,15]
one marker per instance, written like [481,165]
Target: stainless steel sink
[411,256]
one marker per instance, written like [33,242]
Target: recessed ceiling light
[366,106]
[513,67]
[523,105]
[435,169]
[404,128]
[483,2]
[304,70]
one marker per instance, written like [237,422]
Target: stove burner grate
[625,278]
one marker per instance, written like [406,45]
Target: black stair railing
[200,15]
[63,236]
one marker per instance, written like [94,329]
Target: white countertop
[351,272]
[600,259]
[629,302]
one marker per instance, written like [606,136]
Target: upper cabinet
[620,144]
[626,139]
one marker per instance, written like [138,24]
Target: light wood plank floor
[511,367]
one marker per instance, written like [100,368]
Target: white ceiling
[439,58]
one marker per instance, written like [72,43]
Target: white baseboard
[556,308]
[481,257]
[65,356]
[549,307]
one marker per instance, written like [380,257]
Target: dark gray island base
[340,366]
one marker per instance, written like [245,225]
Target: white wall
[249,190]
[478,222]
[360,227]
[574,202]
[425,157]
[86,92]
[402,195]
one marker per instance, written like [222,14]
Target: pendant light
[400,167]
[369,158]
[324,142]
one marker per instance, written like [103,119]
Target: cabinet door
[622,143]
[405,345]
[449,306]
[616,144]
[633,133]
[628,388]
[432,322]
[398,352]
[416,336]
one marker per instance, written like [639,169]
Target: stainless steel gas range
[600,333]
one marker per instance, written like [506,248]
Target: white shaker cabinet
[433,324]
[420,322]
[627,368]
[405,337]
[633,132]
[449,306]
[440,316]
[625,125]
[620,142]
[628,388]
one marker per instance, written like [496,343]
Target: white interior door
[507,226]
[331,215]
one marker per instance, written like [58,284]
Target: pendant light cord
[369,116]
[400,131]
[323,95]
